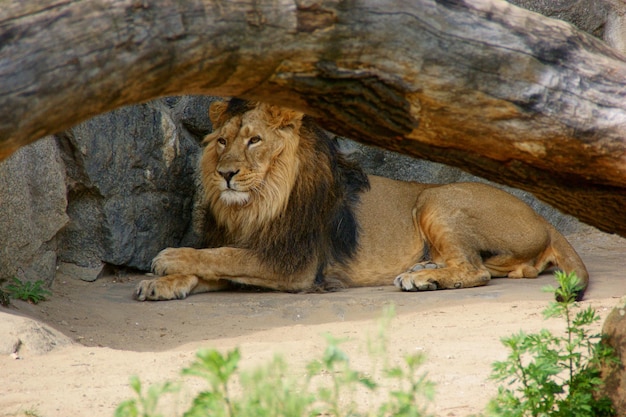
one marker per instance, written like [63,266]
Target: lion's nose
[228,175]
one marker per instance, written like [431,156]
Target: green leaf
[135,384]
[127,408]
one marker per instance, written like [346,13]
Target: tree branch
[496,90]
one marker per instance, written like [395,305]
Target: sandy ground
[106,336]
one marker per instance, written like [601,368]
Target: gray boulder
[131,182]
[33,204]
[23,337]
[614,375]
[587,15]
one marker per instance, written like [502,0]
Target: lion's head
[275,182]
[250,154]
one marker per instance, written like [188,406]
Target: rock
[131,182]
[193,113]
[586,15]
[32,203]
[74,271]
[614,377]
[20,336]
[615,31]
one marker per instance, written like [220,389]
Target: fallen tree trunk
[496,90]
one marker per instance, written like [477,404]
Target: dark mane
[237,106]
[319,223]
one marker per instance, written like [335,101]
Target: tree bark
[483,85]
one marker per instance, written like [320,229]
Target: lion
[284,209]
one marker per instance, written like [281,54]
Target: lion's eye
[221,141]
[254,139]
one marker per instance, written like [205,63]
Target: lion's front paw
[170,287]
[147,290]
[173,261]
[410,281]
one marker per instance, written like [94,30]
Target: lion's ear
[217,113]
[281,117]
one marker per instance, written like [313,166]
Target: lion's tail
[565,258]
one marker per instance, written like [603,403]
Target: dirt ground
[105,336]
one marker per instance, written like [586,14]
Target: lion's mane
[316,223]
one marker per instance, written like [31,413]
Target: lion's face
[244,151]
[247,152]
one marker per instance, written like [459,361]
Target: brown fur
[283,209]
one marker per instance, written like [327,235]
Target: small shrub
[327,389]
[32,412]
[555,376]
[32,292]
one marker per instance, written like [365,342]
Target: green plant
[550,375]
[329,388]
[216,369]
[32,412]
[28,412]
[32,292]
